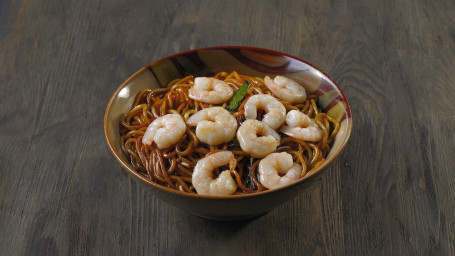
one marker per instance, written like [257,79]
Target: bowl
[207,62]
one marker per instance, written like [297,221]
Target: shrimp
[210,90]
[300,126]
[202,175]
[165,131]
[276,112]
[274,166]
[214,125]
[251,143]
[286,89]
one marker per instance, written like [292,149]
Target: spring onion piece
[234,143]
[238,96]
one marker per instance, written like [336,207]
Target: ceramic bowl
[245,60]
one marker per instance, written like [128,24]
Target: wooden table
[391,192]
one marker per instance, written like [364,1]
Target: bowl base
[230,218]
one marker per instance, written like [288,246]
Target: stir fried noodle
[173,166]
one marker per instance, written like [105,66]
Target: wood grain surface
[391,192]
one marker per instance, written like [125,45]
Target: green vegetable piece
[238,96]
[234,143]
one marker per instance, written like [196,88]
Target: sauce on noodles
[173,167]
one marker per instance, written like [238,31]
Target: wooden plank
[390,192]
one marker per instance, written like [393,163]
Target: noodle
[172,167]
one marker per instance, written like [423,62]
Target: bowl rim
[310,176]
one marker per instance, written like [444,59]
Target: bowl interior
[245,60]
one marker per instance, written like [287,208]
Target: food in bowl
[226,134]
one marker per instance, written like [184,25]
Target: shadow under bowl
[207,62]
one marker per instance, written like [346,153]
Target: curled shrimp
[214,125]
[210,90]
[165,131]
[202,175]
[286,89]
[256,138]
[275,110]
[300,126]
[278,170]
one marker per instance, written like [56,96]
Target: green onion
[234,143]
[238,96]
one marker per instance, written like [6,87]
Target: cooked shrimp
[210,90]
[202,175]
[214,125]
[275,110]
[300,126]
[286,89]
[251,143]
[165,131]
[274,166]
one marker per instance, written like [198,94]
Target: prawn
[286,89]
[251,143]
[210,90]
[275,110]
[214,125]
[278,170]
[202,175]
[300,126]
[165,131]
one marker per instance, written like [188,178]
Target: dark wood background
[391,192]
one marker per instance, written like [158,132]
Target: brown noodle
[172,167]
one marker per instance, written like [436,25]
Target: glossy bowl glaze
[207,62]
